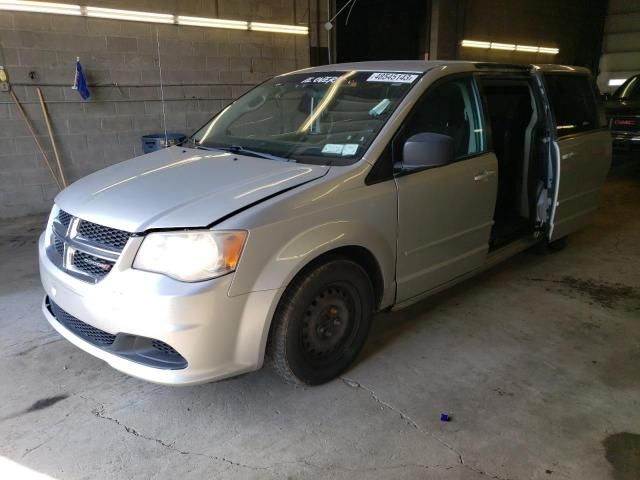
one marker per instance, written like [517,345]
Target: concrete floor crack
[99,413]
[385,468]
[355,384]
[487,474]
[36,447]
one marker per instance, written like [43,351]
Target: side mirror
[427,150]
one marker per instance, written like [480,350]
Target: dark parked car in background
[623,113]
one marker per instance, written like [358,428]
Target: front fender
[279,269]
[295,231]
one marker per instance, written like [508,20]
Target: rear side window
[573,103]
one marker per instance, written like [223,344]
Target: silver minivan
[316,199]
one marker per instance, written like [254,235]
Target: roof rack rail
[503,66]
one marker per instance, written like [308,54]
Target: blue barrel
[157,141]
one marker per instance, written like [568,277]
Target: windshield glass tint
[319,117]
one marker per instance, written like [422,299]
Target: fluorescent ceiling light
[616,82]
[40,7]
[135,16]
[129,15]
[502,46]
[526,48]
[509,47]
[276,28]
[212,22]
[552,51]
[475,44]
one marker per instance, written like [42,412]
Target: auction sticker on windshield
[392,77]
[344,149]
[323,79]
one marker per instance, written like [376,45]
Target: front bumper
[217,335]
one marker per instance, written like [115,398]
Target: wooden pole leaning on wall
[35,137]
[53,142]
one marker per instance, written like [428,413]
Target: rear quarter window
[573,102]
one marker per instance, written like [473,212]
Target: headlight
[49,229]
[191,256]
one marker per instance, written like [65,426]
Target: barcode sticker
[392,77]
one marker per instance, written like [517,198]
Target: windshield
[319,117]
[629,90]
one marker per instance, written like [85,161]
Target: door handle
[484,176]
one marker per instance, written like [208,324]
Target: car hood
[179,187]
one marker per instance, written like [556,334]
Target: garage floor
[537,361]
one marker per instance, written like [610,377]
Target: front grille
[103,236]
[94,266]
[163,347]
[92,251]
[64,218]
[58,245]
[146,351]
[93,335]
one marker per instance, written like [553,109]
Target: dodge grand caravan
[316,199]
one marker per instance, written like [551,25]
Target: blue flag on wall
[80,83]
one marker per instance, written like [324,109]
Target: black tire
[321,323]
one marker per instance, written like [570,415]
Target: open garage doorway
[381,30]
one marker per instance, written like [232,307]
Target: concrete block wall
[203,69]
[621,43]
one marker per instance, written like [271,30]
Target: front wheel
[321,323]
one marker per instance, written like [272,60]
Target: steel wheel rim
[330,324]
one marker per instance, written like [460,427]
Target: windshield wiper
[253,153]
[190,140]
[240,150]
[195,144]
